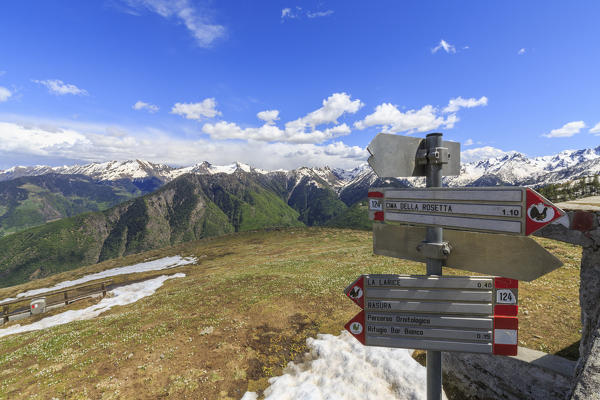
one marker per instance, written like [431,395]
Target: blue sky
[280,84]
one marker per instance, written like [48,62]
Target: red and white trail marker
[508,210]
[447,313]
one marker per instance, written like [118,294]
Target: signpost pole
[434,265]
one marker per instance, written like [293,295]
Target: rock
[575,234]
[589,295]
[530,375]
[587,384]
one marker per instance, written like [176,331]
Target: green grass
[241,313]
[265,209]
[355,216]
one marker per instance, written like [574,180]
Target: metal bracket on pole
[439,251]
[421,156]
[439,155]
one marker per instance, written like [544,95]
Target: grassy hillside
[188,208]
[316,205]
[243,311]
[31,201]
[355,216]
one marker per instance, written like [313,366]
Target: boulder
[531,374]
[587,383]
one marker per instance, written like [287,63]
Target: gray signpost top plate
[395,155]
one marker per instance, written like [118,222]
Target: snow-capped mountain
[518,169]
[512,169]
[106,171]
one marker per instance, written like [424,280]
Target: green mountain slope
[316,203]
[190,207]
[355,217]
[31,201]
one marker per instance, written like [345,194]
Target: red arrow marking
[356,327]
[539,212]
[356,292]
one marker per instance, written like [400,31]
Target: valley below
[243,311]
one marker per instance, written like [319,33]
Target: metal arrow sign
[510,210]
[395,155]
[472,314]
[516,257]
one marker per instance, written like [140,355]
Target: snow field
[339,367]
[118,297]
[155,265]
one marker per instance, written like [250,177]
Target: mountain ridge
[512,169]
[212,200]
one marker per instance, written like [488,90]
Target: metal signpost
[469,314]
[508,210]
[487,233]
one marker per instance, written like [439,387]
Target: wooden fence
[69,295]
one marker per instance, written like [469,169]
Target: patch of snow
[156,265]
[339,367]
[7,300]
[119,297]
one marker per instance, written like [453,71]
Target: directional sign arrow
[511,210]
[395,155]
[447,294]
[447,313]
[493,335]
[516,257]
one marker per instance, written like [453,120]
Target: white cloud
[333,107]
[206,108]
[447,47]
[481,153]
[469,142]
[269,116]
[301,130]
[457,103]
[567,130]
[4,94]
[195,20]
[37,141]
[223,130]
[318,14]
[392,120]
[287,13]
[140,105]
[596,128]
[91,142]
[297,12]
[521,51]
[58,87]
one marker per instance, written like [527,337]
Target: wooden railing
[76,293]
